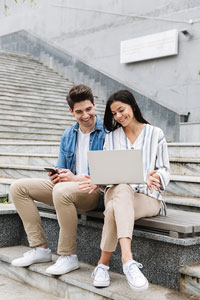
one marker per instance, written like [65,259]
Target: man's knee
[63,192]
[18,187]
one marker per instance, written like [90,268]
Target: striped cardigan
[154,153]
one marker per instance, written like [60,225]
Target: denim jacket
[67,155]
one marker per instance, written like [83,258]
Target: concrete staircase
[183,191]
[78,284]
[33,116]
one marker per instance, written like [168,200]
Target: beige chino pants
[65,196]
[122,207]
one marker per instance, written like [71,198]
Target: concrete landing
[77,284]
[13,290]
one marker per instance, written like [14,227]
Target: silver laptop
[118,166]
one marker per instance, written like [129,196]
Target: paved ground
[13,290]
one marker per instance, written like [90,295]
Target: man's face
[84,112]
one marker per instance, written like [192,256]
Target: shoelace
[62,257]
[135,272]
[100,270]
[30,252]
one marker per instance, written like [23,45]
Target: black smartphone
[52,170]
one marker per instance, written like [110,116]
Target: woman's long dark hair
[126,97]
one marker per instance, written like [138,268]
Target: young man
[62,190]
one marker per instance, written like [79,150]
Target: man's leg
[67,199]
[23,192]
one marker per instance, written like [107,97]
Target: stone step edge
[7,128]
[22,167]
[187,201]
[190,270]
[185,159]
[183,178]
[193,179]
[118,290]
[31,133]
[180,144]
[42,112]
[30,143]
[52,155]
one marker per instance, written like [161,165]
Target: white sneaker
[36,255]
[136,279]
[64,264]
[101,276]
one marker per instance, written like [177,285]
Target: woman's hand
[87,185]
[153,181]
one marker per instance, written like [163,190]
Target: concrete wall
[92,31]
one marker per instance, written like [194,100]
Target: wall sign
[149,47]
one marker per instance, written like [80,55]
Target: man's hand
[87,185]
[66,175]
[54,178]
[153,181]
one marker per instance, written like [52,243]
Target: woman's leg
[123,207]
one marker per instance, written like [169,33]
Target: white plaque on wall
[149,47]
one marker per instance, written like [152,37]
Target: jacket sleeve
[61,158]
[162,161]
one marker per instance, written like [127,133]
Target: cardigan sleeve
[162,161]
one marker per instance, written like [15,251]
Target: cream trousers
[122,207]
[65,196]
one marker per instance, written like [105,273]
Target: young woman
[125,203]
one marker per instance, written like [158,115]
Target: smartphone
[52,170]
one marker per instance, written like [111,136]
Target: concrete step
[187,186]
[191,204]
[184,150]
[34,159]
[185,166]
[52,111]
[5,185]
[24,135]
[32,129]
[30,147]
[31,71]
[36,117]
[15,290]
[20,105]
[190,280]
[15,109]
[19,60]
[23,82]
[77,285]
[17,123]
[22,171]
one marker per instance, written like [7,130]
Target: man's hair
[79,93]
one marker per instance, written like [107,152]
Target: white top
[154,154]
[83,141]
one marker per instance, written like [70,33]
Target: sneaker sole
[29,264]
[101,284]
[62,273]
[139,289]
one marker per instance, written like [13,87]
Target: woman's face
[122,113]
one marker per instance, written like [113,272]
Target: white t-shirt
[83,141]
